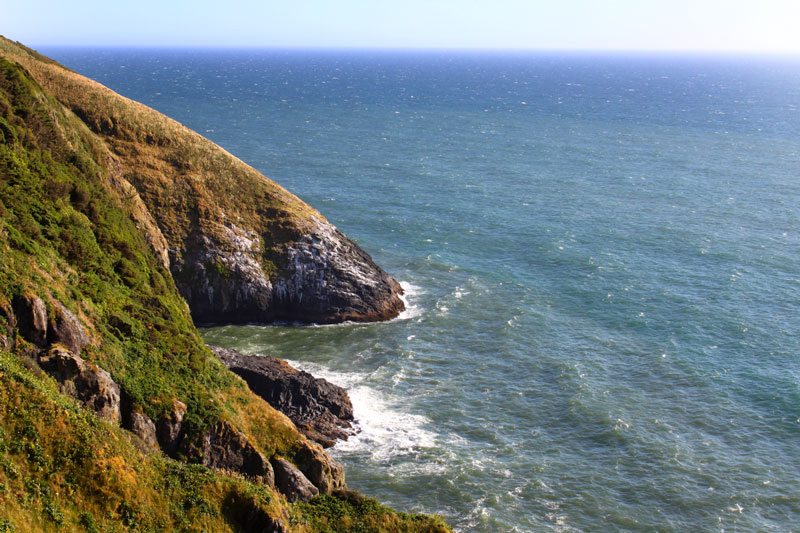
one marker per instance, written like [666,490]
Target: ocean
[601,257]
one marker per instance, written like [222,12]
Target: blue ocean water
[602,263]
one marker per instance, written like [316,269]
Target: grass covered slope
[76,236]
[63,468]
[241,247]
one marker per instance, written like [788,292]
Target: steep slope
[106,389]
[240,247]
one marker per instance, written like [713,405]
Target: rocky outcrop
[140,425]
[253,519]
[320,410]
[31,317]
[291,482]
[225,448]
[87,382]
[65,329]
[57,342]
[320,468]
[324,277]
[168,429]
[329,278]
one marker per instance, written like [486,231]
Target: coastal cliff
[240,247]
[113,413]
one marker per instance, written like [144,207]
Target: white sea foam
[384,430]
[342,379]
[410,297]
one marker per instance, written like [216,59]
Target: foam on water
[410,297]
[383,429]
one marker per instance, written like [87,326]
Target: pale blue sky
[705,25]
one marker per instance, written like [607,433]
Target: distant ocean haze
[602,263]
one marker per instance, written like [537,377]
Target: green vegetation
[185,179]
[350,511]
[67,237]
[60,465]
[73,230]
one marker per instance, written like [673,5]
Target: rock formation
[320,468]
[87,382]
[324,278]
[168,429]
[291,482]
[320,410]
[31,318]
[140,425]
[66,329]
[224,448]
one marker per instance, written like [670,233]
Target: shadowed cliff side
[240,247]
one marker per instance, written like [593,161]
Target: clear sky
[703,25]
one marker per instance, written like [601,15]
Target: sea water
[601,258]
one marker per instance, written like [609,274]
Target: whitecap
[342,379]
[384,431]
[411,294]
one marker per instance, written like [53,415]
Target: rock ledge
[321,410]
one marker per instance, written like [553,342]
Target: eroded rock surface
[331,279]
[291,482]
[320,468]
[168,429]
[320,410]
[87,382]
[225,448]
[252,519]
[31,314]
[66,329]
[140,425]
[324,277]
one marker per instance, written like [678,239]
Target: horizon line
[432,49]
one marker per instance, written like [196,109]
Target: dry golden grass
[268,429]
[184,178]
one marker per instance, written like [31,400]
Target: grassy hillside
[75,233]
[239,246]
[180,174]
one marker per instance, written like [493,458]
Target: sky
[664,25]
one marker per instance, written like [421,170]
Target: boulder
[320,468]
[225,448]
[319,409]
[291,482]
[65,329]
[31,314]
[168,429]
[85,381]
[140,425]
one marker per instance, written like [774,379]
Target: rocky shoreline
[321,410]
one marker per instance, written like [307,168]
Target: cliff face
[113,413]
[324,278]
[240,247]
